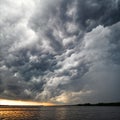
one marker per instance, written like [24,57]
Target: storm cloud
[60,51]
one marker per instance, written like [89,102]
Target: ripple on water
[60,113]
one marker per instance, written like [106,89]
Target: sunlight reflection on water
[60,113]
[14,114]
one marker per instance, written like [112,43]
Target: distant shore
[85,104]
[100,104]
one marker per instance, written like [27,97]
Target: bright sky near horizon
[22,103]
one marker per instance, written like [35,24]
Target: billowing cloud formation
[61,51]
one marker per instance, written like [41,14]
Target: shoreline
[37,106]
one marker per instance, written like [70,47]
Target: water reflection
[17,114]
[42,113]
[60,113]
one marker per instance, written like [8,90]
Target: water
[61,113]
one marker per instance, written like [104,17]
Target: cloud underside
[61,51]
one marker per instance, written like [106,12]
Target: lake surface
[61,113]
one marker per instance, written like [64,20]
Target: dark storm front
[60,113]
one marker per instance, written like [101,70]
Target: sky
[60,51]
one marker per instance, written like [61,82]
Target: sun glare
[20,102]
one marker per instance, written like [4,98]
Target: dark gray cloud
[60,51]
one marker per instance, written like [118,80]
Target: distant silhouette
[100,104]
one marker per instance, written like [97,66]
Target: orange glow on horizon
[20,102]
